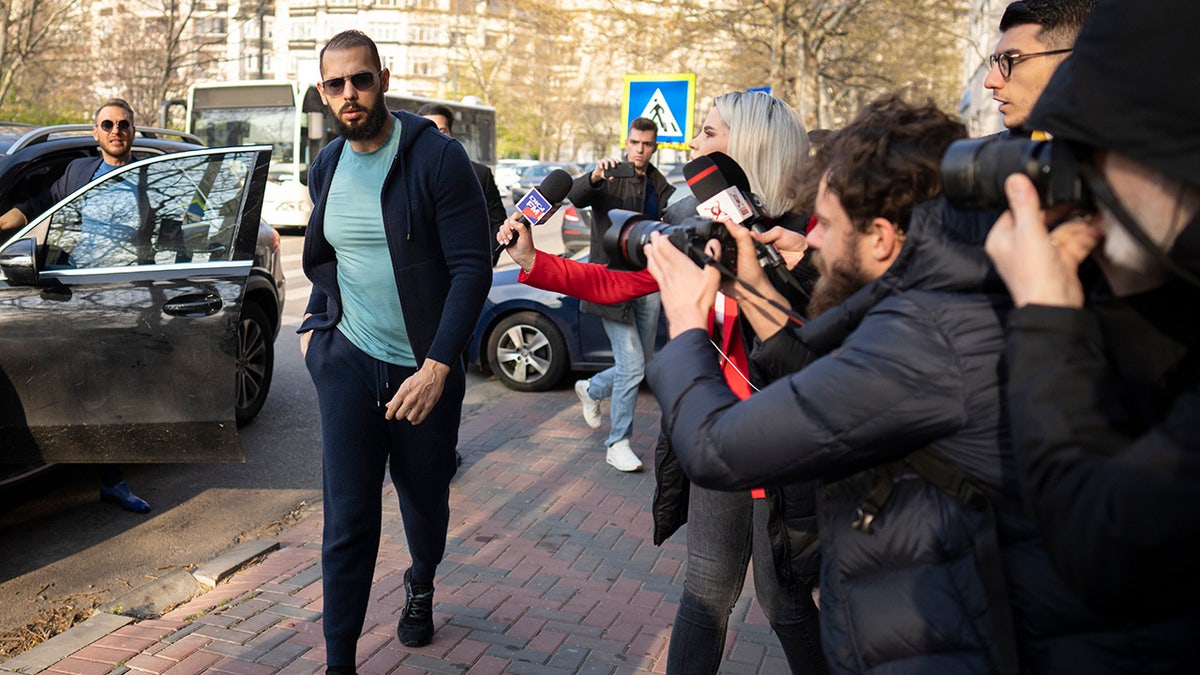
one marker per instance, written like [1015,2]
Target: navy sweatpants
[357,442]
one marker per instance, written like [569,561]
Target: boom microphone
[723,189]
[540,203]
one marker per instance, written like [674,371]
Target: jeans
[723,529]
[632,346]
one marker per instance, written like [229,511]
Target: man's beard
[368,127]
[838,282]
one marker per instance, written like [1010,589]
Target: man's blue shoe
[120,495]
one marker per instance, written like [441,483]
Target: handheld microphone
[723,189]
[542,202]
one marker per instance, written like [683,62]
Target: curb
[146,601]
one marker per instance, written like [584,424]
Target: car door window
[176,210]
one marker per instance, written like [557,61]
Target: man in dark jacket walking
[397,250]
[631,326]
[442,116]
[1105,379]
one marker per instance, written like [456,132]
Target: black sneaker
[416,621]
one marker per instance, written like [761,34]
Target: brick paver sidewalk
[550,568]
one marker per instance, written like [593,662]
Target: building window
[211,26]
[424,34]
[301,30]
[384,32]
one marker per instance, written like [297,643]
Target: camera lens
[629,233]
[974,171]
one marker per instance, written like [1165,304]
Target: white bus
[292,120]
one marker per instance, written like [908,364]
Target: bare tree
[34,35]
[163,52]
[556,74]
[826,57]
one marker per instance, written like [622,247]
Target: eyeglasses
[107,125]
[361,81]
[1006,61]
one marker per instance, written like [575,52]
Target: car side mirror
[18,262]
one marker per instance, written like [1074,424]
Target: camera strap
[793,316]
[1104,194]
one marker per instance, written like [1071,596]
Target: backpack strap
[949,478]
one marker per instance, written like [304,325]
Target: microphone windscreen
[731,170]
[555,186]
[703,178]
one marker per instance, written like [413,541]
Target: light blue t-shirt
[109,223]
[371,314]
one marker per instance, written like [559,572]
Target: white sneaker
[621,457]
[591,406]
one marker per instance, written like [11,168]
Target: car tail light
[571,214]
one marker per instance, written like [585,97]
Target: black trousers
[357,443]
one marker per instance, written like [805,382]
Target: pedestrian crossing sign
[669,100]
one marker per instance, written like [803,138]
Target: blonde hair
[768,140]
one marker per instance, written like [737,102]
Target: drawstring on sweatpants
[381,383]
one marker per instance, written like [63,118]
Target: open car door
[119,311]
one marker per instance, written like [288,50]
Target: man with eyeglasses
[1035,37]
[398,253]
[113,131]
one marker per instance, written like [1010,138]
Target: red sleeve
[587,281]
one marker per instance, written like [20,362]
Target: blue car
[530,338]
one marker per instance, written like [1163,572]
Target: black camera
[974,170]
[630,232]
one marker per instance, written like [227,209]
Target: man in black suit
[443,117]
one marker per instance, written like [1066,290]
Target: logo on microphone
[728,202]
[533,206]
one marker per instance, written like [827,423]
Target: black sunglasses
[1006,60]
[361,81]
[107,125]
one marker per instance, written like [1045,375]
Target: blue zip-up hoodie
[435,220]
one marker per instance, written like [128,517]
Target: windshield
[249,126]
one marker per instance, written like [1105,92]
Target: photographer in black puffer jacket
[929,562]
[909,361]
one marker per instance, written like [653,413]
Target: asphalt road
[63,551]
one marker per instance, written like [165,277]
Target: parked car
[143,332]
[530,339]
[576,228]
[532,176]
[508,171]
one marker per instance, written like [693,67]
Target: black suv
[138,315]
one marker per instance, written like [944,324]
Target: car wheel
[527,352]
[255,362]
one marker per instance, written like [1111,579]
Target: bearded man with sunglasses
[113,131]
[1035,37]
[397,249]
